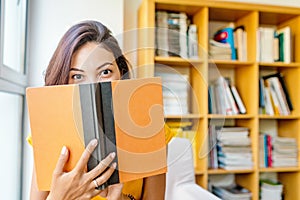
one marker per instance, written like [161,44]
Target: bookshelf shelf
[279,117]
[189,116]
[177,61]
[209,16]
[214,116]
[280,169]
[222,171]
[230,62]
[279,64]
[199,172]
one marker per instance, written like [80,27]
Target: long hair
[57,72]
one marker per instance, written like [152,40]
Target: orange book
[126,116]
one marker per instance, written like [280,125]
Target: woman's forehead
[91,54]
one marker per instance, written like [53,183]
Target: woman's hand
[79,184]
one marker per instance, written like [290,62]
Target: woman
[89,53]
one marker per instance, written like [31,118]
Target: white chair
[180,178]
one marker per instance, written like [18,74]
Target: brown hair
[57,72]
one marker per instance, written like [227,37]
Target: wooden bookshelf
[245,76]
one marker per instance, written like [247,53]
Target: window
[13,81]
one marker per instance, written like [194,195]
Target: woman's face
[92,63]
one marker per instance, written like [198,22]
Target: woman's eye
[105,72]
[77,76]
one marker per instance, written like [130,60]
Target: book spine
[238,100]
[269,147]
[266,150]
[106,115]
[285,90]
[91,128]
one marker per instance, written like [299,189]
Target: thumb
[62,160]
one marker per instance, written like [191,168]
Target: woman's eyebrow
[75,69]
[104,64]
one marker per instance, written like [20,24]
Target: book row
[274,98]
[175,36]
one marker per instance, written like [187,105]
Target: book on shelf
[176,89]
[285,152]
[228,133]
[232,192]
[262,104]
[274,45]
[219,50]
[224,98]
[270,189]
[229,148]
[285,44]
[240,42]
[265,44]
[212,106]
[283,86]
[277,151]
[192,41]
[212,145]
[276,98]
[269,110]
[174,35]
[239,101]
[72,115]
[161,34]
[234,139]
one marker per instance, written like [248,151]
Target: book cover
[126,116]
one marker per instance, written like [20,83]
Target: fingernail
[94,142]
[112,155]
[114,165]
[64,150]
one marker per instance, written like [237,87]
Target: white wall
[48,20]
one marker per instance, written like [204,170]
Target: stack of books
[278,151]
[270,190]
[285,152]
[171,34]
[219,50]
[229,43]
[225,35]
[233,148]
[174,36]
[232,192]
[175,91]
[229,148]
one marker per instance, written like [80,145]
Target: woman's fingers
[81,165]
[102,165]
[63,158]
[104,177]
